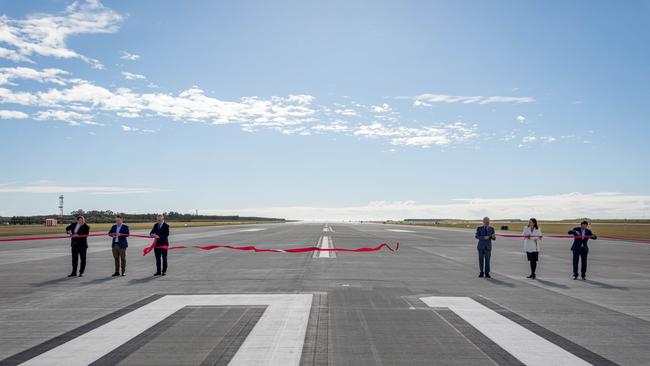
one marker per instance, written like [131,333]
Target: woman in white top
[532,240]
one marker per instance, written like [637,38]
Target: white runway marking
[523,344]
[325,242]
[401,231]
[251,230]
[277,338]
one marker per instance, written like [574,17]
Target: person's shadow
[52,282]
[98,280]
[499,282]
[137,281]
[607,285]
[552,284]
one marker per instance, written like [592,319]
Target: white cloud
[384,108]
[531,138]
[427,100]
[13,55]
[132,76]
[7,74]
[75,189]
[7,114]
[46,34]
[442,134]
[521,119]
[129,56]
[72,118]
[135,129]
[346,112]
[189,105]
[338,127]
[547,207]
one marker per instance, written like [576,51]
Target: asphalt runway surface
[423,305]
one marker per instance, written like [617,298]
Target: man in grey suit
[485,234]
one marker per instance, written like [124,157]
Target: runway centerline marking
[325,242]
[277,338]
[526,346]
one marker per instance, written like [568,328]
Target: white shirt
[76,228]
[117,231]
[532,244]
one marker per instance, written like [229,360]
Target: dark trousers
[533,257]
[580,255]
[161,254]
[78,252]
[119,254]
[484,260]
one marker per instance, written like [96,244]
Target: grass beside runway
[18,230]
[638,229]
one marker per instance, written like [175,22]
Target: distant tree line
[106,216]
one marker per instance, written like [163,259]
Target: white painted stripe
[251,230]
[523,344]
[277,338]
[401,231]
[325,244]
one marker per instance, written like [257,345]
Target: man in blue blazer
[485,234]
[580,248]
[119,232]
[160,231]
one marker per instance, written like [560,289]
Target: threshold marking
[524,345]
[277,338]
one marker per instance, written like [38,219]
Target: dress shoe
[480,274]
[72,275]
[157,274]
[584,278]
[487,275]
[575,277]
[163,273]
[81,274]
[534,277]
[122,274]
[531,276]
[115,274]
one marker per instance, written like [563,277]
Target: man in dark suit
[485,234]
[160,231]
[78,232]
[580,248]
[119,232]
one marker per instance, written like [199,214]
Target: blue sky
[327,110]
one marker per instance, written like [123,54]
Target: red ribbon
[153,246]
[258,250]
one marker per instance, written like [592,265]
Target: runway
[423,305]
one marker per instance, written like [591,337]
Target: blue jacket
[581,243]
[482,231]
[121,240]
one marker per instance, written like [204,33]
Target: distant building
[51,222]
